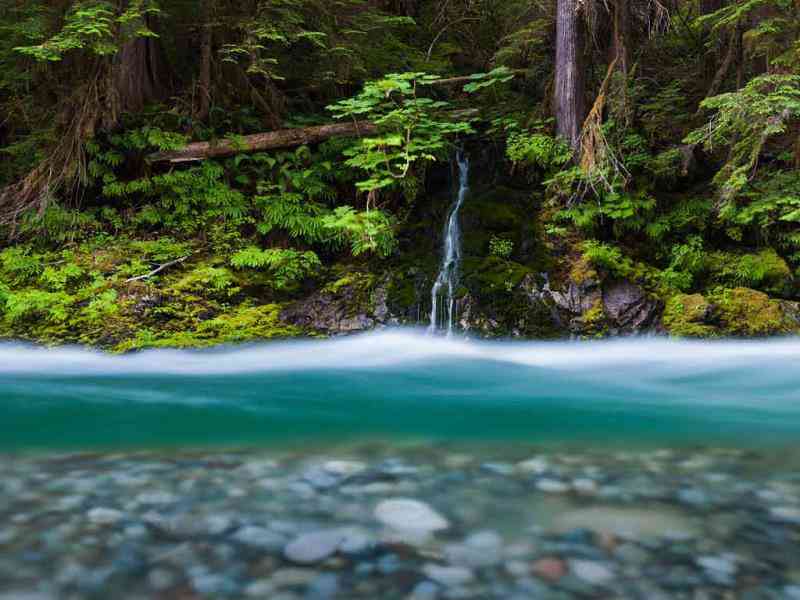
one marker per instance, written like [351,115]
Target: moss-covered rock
[687,315]
[751,313]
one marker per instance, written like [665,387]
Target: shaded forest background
[181,172]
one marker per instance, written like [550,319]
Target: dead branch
[158,270]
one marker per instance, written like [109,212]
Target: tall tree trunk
[139,73]
[570,81]
[204,80]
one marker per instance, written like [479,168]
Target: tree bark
[204,79]
[138,73]
[570,81]
[272,140]
[275,140]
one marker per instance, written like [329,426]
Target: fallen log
[271,140]
[275,140]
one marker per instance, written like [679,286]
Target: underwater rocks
[414,522]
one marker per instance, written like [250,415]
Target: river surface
[404,385]
[402,466]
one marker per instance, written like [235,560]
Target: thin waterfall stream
[447,280]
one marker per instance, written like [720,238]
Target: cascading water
[447,280]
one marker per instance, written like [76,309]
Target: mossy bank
[517,280]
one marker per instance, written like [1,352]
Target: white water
[447,281]
[405,383]
[639,357]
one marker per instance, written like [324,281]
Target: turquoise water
[401,385]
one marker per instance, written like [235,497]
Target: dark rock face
[629,309]
[352,308]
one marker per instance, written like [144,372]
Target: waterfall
[447,280]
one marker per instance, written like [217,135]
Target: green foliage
[744,121]
[624,211]
[482,81]
[367,231]
[96,26]
[537,149]
[287,267]
[501,247]
[607,257]
[412,130]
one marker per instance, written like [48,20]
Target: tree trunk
[569,84]
[138,73]
[204,79]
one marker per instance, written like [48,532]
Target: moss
[748,312]
[685,315]
[582,271]
[241,324]
[765,270]
[493,276]
[593,322]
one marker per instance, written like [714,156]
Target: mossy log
[275,140]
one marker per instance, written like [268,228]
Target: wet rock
[719,569]
[536,466]
[552,486]
[792,592]
[351,305]
[594,573]
[105,516]
[549,569]
[629,309]
[259,538]
[262,588]
[407,515]
[448,576]
[585,487]
[314,547]
[482,549]
[629,523]
[26,595]
[161,579]
[425,590]
[786,514]
[284,578]
[344,468]
[324,587]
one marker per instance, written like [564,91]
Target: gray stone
[425,590]
[552,486]
[721,570]
[693,497]
[283,578]
[786,514]
[407,515]
[594,573]
[343,468]
[26,595]
[448,576]
[629,308]
[213,585]
[261,588]
[536,466]
[105,516]
[310,548]
[482,549]
[161,579]
[323,587]
[259,538]
[792,592]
